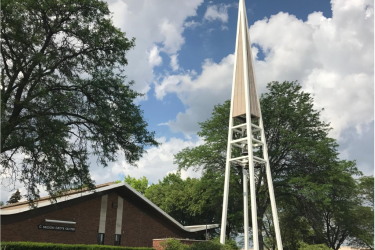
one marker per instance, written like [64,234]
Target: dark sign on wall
[57,228]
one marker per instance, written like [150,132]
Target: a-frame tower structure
[246,135]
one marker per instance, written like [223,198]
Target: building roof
[20,207]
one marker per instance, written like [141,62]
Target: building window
[101,239]
[117,239]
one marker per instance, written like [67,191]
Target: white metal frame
[251,142]
[61,221]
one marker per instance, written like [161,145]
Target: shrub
[172,244]
[209,245]
[229,242]
[304,246]
[52,246]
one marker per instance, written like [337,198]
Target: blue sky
[183,63]
[308,41]
[209,40]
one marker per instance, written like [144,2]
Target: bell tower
[246,136]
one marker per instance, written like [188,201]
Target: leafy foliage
[140,184]
[366,189]
[176,197]
[172,244]
[331,204]
[363,215]
[304,246]
[196,201]
[63,93]
[316,193]
[209,245]
[15,197]
[232,244]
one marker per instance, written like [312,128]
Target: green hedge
[173,244]
[52,246]
[304,246]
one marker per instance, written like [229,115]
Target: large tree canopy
[64,94]
[296,138]
[304,164]
[196,201]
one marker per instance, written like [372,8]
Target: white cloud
[7,189]
[217,12]
[174,62]
[172,36]
[192,24]
[156,164]
[154,58]
[151,22]
[224,27]
[199,93]
[332,58]
[163,124]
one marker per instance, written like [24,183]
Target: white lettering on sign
[57,228]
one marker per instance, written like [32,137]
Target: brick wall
[23,227]
[140,224]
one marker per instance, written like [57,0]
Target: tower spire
[243,56]
[247,133]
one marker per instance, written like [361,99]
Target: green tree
[297,139]
[362,235]
[174,195]
[366,190]
[196,201]
[64,94]
[15,197]
[330,204]
[140,184]
[363,215]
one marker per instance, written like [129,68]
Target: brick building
[112,214]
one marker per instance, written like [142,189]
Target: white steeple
[247,133]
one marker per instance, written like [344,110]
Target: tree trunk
[227,231]
[260,236]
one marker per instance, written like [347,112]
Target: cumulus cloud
[332,58]
[192,24]
[198,93]
[174,62]
[360,147]
[151,22]
[156,163]
[154,58]
[217,12]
